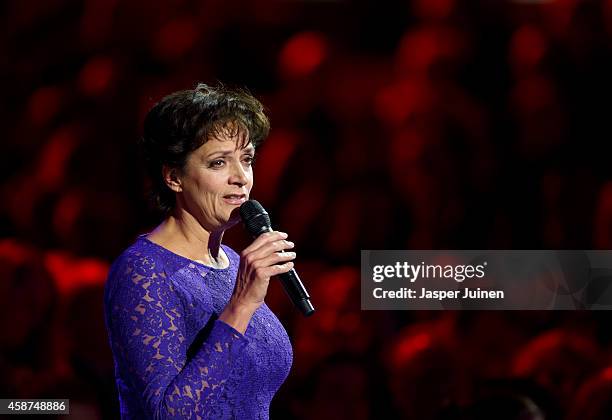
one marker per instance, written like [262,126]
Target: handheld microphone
[257,221]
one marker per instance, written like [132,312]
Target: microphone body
[257,222]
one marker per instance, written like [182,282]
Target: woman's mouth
[235,199]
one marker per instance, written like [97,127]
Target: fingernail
[283,234]
[290,243]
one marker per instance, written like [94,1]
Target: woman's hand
[264,258]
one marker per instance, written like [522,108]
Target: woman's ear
[172,178]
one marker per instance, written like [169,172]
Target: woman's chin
[221,222]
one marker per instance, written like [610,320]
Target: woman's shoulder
[140,261]
[138,255]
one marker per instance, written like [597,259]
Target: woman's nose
[238,175]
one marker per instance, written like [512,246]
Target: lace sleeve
[147,331]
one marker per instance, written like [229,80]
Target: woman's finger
[263,239]
[270,248]
[274,270]
[275,258]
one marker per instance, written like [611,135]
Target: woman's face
[216,180]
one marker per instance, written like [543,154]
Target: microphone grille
[255,217]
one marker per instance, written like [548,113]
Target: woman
[189,330]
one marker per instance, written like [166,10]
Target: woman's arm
[147,331]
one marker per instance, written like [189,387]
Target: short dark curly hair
[182,121]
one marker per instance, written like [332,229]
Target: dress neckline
[143,237]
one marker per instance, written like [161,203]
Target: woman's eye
[249,160]
[216,163]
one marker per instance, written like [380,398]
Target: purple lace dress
[173,357]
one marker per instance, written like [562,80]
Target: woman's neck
[181,233]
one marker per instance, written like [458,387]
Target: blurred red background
[423,124]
